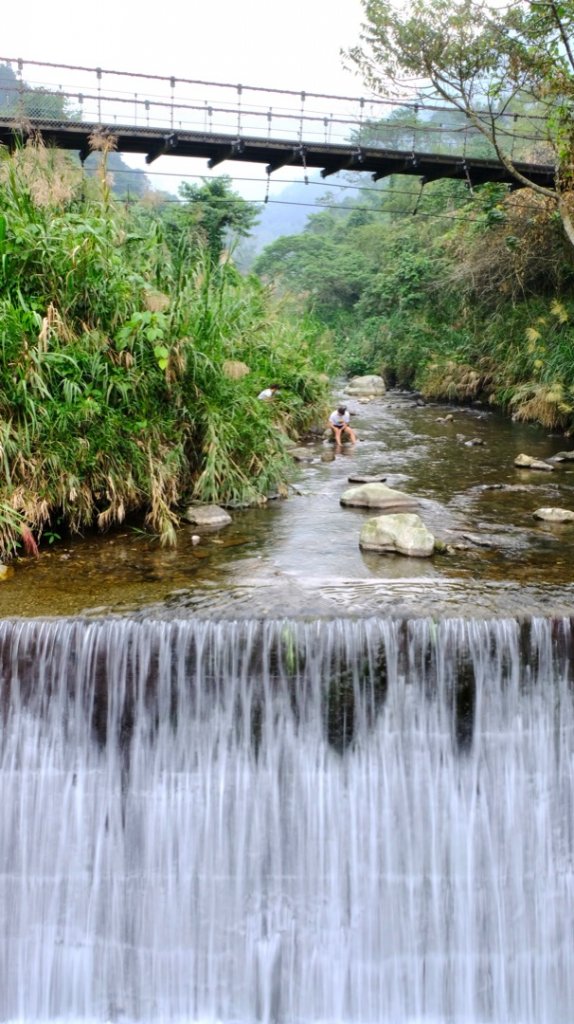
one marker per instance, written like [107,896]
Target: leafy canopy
[215,211]
[509,69]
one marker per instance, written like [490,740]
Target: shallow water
[301,556]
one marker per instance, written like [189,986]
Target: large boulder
[366,386]
[403,533]
[377,495]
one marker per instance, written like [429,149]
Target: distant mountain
[287,213]
[126,181]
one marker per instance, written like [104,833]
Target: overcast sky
[293,45]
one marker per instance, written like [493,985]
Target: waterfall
[287,821]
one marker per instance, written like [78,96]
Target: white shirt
[266,393]
[339,419]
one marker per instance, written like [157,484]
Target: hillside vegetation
[460,295]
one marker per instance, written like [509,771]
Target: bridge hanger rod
[283,115]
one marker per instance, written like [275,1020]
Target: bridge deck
[217,148]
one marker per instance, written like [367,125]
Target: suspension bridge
[74,108]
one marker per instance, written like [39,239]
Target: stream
[301,556]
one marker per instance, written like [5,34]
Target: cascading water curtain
[335,821]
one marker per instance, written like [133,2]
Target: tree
[215,211]
[505,68]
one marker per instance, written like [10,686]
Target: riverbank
[131,358]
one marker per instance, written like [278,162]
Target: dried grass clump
[49,176]
[525,254]
[457,382]
[541,403]
[102,142]
[155,301]
[53,327]
[234,369]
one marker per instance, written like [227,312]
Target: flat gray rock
[302,455]
[528,462]
[377,496]
[554,515]
[207,515]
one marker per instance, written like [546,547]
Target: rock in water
[403,533]
[528,462]
[368,386]
[207,515]
[554,515]
[356,478]
[377,496]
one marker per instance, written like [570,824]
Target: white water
[180,841]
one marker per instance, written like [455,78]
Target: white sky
[294,45]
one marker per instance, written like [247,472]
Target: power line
[289,202]
[285,181]
[322,206]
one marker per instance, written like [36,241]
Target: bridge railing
[46,94]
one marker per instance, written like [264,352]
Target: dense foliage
[130,364]
[459,295]
[490,62]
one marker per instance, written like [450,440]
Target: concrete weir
[342,820]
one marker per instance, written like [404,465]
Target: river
[301,555]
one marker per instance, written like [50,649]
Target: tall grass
[113,395]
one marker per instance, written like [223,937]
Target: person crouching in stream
[339,423]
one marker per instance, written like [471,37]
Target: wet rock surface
[528,462]
[554,515]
